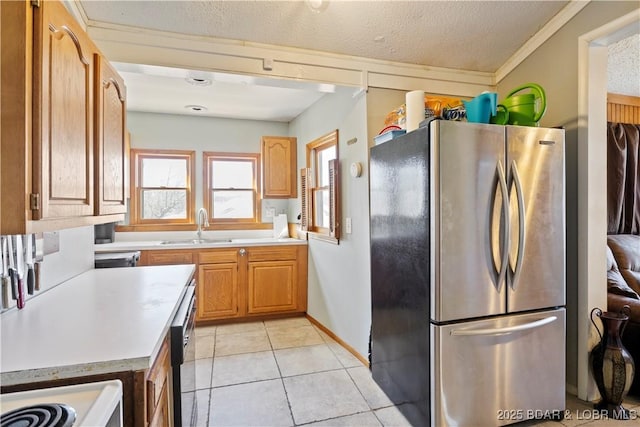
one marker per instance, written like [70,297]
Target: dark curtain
[623,178]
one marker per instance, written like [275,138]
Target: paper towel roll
[280,226]
[415,109]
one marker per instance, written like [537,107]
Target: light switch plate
[347,225]
[271,212]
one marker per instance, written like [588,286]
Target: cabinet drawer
[169,257]
[218,256]
[157,380]
[272,253]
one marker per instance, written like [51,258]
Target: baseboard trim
[346,346]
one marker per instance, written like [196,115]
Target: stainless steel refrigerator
[468,273]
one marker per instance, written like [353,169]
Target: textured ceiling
[468,35]
[623,70]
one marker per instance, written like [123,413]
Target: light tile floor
[289,373]
[284,373]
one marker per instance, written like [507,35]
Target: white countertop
[158,245]
[105,320]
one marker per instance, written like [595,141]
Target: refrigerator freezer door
[466,220]
[536,177]
[499,371]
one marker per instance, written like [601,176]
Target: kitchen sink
[194,241]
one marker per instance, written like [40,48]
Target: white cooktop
[105,320]
[94,403]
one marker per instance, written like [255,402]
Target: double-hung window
[320,198]
[232,187]
[162,188]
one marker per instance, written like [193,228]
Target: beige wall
[339,285]
[202,133]
[555,66]
[379,103]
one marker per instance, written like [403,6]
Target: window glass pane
[323,165]
[321,207]
[164,172]
[164,204]
[232,204]
[231,174]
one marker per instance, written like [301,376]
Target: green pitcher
[522,108]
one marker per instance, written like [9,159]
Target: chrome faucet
[202,219]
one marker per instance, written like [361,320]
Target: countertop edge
[90,368]
[31,376]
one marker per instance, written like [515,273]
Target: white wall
[74,257]
[182,132]
[339,275]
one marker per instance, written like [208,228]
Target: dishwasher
[183,361]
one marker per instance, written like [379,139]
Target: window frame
[254,158]
[309,180]
[137,157]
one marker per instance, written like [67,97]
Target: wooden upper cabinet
[62,115]
[51,123]
[279,172]
[111,139]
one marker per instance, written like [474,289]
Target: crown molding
[544,34]
[131,44]
[75,8]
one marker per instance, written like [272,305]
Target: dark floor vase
[611,363]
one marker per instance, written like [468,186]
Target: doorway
[592,160]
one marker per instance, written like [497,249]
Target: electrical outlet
[347,225]
[271,212]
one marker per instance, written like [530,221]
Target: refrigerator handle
[521,225]
[506,330]
[502,272]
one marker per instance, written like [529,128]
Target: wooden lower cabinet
[272,287]
[251,281]
[243,282]
[217,291]
[157,388]
[166,257]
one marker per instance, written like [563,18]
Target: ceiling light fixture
[317,6]
[198,82]
[196,108]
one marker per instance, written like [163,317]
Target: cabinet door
[279,171]
[62,115]
[158,389]
[111,139]
[272,286]
[161,415]
[217,291]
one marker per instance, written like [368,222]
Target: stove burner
[42,415]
